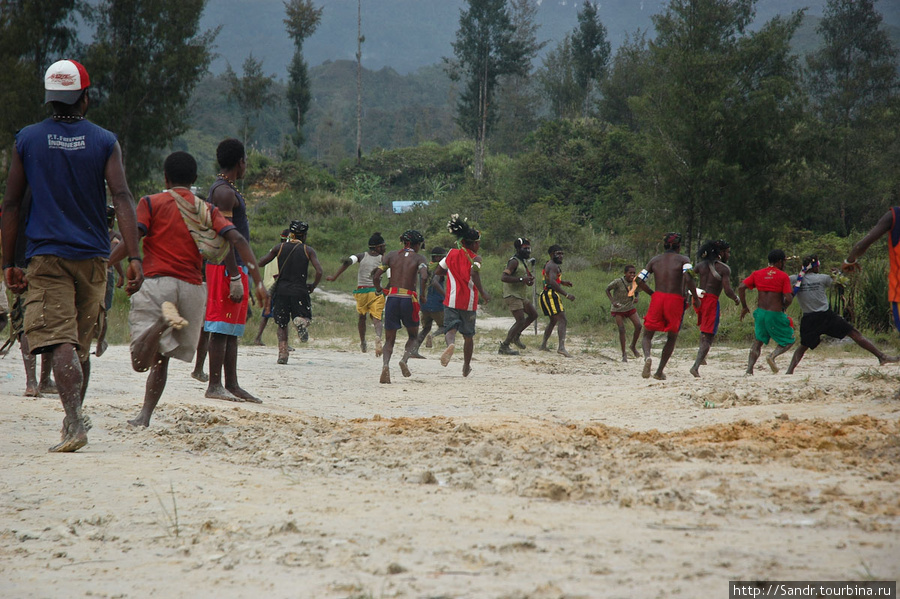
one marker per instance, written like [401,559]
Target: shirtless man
[516,293]
[550,304]
[671,272]
[401,306]
[770,321]
[715,277]
[368,303]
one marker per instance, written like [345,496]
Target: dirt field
[536,477]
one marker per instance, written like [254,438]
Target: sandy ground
[536,477]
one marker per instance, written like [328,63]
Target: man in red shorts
[715,277]
[671,272]
[623,296]
[770,321]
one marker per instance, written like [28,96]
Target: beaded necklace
[227,180]
[71,118]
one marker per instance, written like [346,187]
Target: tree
[516,95]
[146,58]
[301,22]
[559,83]
[717,116]
[855,90]
[486,48]
[627,79]
[252,92]
[33,33]
[590,50]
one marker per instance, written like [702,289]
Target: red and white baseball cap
[64,81]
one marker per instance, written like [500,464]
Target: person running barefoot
[623,296]
[462,267]
[770,321]
[409,269]
[368,303]
[516,295]
[715,277]
[550,303]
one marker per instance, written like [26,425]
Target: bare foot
[659,376]
[377,347]
[417,355]
[75,438]
[648,364]
[363,347]
[219,392]
[624,358]
[200,376]
[32,391]
[102,346]
[172,317]
[888,360]
[258,342]
[695,371]
[771,362]
[518,343]
[448,353]
[563,352]
[749,372]
[48,386]
[404,369]
[428,341]
[243,395]
[139,421]
[385,376]
[467,370]
[634,351]
[542,348]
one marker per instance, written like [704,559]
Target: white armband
[643,275]
[353,259]
[476,266]
[687,267]
[423,265]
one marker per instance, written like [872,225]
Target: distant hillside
[408,34]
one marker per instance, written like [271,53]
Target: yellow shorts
[370,303]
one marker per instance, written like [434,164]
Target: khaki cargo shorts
[64,303]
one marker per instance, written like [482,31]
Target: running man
[516,295]
[623,297]
[463,269]
[819,319]
[409,270]
[368,302]
[770,321]
[715,277]
[433,308]
[672,274]
[550,303]
[167,313]
[291,302]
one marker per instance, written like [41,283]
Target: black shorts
[287,307]
[815,324]
[400,311]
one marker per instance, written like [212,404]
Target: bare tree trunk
[359,41]
[480,137]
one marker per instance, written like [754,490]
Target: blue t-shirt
[65,165]
[434,301]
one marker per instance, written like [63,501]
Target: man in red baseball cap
[67,162]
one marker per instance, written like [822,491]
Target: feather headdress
[461,229]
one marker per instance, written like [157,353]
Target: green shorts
[772,325]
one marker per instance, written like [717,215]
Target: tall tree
[146,58]
[359,41]
[486,48]
[252,92]
[855,90]
[717,116]
[559,83]
[33,34]
[302,19]
[517,95]
[627,79]
[590,50]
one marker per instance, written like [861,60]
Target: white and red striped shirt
[461,292]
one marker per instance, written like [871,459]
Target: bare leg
[637,334]
[72,382]
[390,336]
[667,350]
[262,327]
[468,348]
[30,361]
[215,390]
[230,368]
[870,347]
[620,324]
[145,349]
[547,333]
[770,359]
[361,329]
[156,383]
[645,346]
[282,335]
[202,347]
[706,340]
[450,339]
[795,359]
[562,323]
[411,345]
[755,350]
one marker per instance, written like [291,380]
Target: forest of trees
[707,125]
